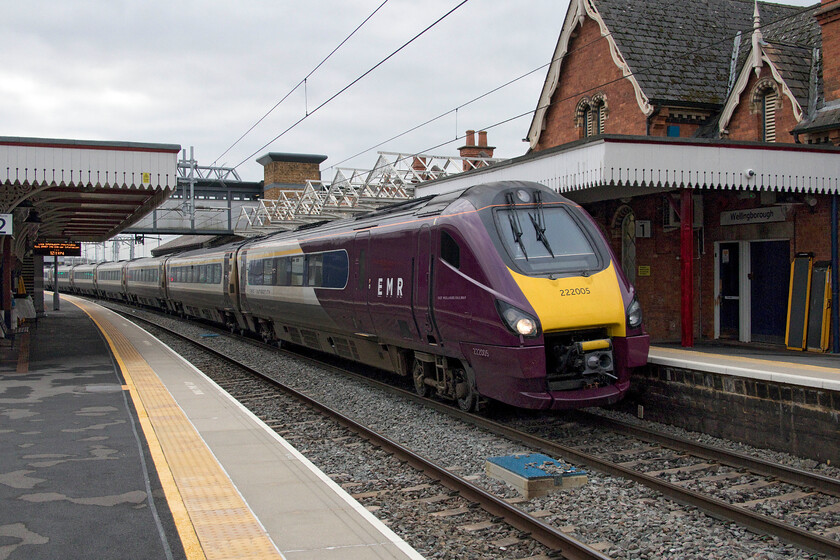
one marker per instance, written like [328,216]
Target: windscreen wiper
[539,223]
[515,226]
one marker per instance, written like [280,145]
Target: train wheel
[465,393]
[418,371]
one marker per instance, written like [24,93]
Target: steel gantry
[352,191]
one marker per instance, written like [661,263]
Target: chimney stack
[283,172]
[470,150]
[828,16]
[471,138]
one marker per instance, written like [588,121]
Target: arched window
[583,117]
[765,103]
[768,116]
[623,223]
[590,115]
[588,119]
[599,110]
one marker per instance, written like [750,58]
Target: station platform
[116,447]
[753,361]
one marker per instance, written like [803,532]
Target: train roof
[479,195]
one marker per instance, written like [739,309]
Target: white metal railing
[392,179]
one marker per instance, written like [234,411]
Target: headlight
[518,321]
[634,314]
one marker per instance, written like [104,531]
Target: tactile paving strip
[212,519]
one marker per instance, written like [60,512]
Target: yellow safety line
[212,519]
[744,359]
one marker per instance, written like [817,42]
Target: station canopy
[76,190]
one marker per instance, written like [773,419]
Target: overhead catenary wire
[642,71]
[354,82]
[303,81]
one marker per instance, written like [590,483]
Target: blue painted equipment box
[535,474]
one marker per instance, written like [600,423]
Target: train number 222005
[574,292]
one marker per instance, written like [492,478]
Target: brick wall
[812,225]
[659,293]
[291,172]
[799,419]
[584,71]
[829,18]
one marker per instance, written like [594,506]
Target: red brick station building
[724,110]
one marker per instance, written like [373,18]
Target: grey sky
[201,73]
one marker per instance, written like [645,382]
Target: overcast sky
[202,73]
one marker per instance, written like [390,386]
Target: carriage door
[729,286]
[361,283]
[229,280]
[423,296]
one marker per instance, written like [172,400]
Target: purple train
[505,291]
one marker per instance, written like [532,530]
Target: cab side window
[450,251]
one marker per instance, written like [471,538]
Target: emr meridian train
[504,291]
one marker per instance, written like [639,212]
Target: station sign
[753,216]
[58,249]
[6,221]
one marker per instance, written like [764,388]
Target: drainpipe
[650,118]
[835,289]
[687,267]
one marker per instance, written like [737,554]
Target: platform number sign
[6,221]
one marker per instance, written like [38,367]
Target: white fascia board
[77,166]
[717,166]
[641,163]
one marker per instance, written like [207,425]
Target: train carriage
[110,281]
[64,280]
[83,279]
[195,285]
[48,277]
[145,281]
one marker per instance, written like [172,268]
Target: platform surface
[143,456]
[805,369]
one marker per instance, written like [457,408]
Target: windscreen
[546,239]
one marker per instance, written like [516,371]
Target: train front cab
[558,328]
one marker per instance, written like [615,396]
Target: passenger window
[297,271]
[255,273]
[336,269]
[315,268]
[268,272]
[283,269]
[449,250]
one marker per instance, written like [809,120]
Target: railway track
[687,480]
[499,509]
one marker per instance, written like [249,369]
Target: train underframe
[585,368]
